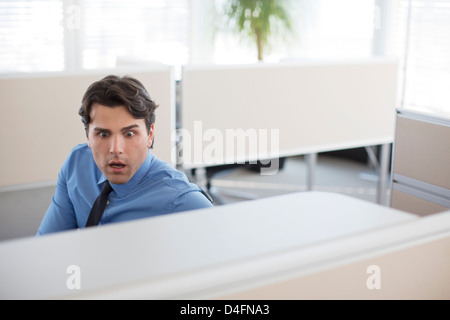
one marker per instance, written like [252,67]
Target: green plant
[259,19]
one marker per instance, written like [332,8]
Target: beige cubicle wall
[244,113]
[39,121]
[287,108]
[421,162]
[403,274]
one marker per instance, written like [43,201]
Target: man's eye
[129,133]
[103,134]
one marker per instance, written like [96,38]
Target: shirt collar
[123,189]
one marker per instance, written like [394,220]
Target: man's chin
[117,179]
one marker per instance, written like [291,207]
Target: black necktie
[99,205]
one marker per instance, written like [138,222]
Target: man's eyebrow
[130,127]
[101,129]
[127,128]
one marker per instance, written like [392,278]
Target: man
[119,119]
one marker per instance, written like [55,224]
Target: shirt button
[107,201]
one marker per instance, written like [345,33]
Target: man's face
[118,142]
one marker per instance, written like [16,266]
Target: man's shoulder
[181,193]
[166,174]
[164,168]
[80,156]
[81,148]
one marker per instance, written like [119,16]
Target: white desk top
[161,249]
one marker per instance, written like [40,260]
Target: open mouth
[117,166]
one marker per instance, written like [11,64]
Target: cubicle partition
[287,109]
[39,122]
[230,114]
[421,162]
[308,245]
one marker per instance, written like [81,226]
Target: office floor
[332,175]
[21,211]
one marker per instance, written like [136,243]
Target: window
[323,29]
[57,35]
[423,42]
[52,35]
[31,36]
[116,32]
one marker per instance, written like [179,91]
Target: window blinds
[423,39]
[31,36]
[54,35]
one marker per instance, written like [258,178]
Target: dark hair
[114,91]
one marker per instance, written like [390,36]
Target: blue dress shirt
[155,189]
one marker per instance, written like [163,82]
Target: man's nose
[117,145]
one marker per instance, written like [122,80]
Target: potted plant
[259,19]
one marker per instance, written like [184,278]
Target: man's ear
[151,136]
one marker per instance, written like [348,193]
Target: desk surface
[157,249]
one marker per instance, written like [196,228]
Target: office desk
[198,254]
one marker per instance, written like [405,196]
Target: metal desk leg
[383,174]
[200,178]
[311,161]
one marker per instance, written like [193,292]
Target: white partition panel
[208,253]
[308,245]
[39,121]
[243,113]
